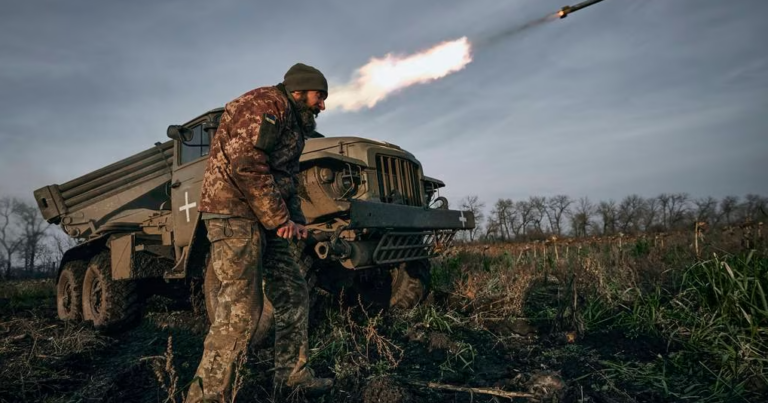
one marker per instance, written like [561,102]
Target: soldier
[252,212]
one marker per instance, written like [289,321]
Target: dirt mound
[440,341]
[547,386]
[505,328]
[385,390]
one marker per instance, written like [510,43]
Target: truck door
[189,167]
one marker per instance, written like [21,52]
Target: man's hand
[291,229]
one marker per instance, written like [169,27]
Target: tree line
[540,217]
[29,246]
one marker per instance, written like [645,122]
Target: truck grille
[396,247]
[398,181]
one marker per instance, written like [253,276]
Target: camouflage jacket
[253,166]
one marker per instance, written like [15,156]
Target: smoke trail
[507,33]
[379,78]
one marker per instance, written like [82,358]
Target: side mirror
[180,133]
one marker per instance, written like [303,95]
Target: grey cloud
[625,97]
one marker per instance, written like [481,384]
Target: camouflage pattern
[241,249]
[253,164]
[236,255]
[286,288]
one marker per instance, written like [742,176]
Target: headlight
[327,175]
[347,182]
[341,180]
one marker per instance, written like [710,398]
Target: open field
[663,318]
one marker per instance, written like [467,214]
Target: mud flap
[193,256]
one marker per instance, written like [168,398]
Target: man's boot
[307,383]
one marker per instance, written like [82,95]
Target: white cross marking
[188,205]
[463,220]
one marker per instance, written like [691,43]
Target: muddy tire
[110,304]
[212,285]
[410,284]
[69,291]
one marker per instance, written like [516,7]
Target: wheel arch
[84,251]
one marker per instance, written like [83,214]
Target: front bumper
[406,234]
[394,216]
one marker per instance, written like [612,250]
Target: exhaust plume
[505,34]
[379,78]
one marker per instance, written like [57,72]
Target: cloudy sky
[628,96]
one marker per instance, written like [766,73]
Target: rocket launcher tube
[569,9]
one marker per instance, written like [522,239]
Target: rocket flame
[382,77]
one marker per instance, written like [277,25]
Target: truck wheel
[267,320]
[69,291]
[410,284]
[110,304]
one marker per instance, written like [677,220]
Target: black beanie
[301,77]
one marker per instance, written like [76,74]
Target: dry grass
[667,317]
[165,371]
[702,294]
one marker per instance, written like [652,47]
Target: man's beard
[306,114]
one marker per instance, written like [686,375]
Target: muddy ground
[422,355]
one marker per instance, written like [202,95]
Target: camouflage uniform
[250,189]
[254,160]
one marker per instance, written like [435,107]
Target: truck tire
[212,285]
[410,284]
[110,304]
[69,291]
[402,287]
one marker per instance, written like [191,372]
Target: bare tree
[706,210]
[664,200]
[762,208]
[581,217]
[753,207]
[33,227]
[492,230]
[47,259]
[475,206]
[558,206]
[514,221]
[630,213]
[527,213]
[539,206]
[607,211]
[677,209]
[728,206]
[62,242]
[504,216]
[651,209]
[8,240]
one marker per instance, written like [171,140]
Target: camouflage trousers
[242,251]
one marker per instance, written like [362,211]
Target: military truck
[374,220]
